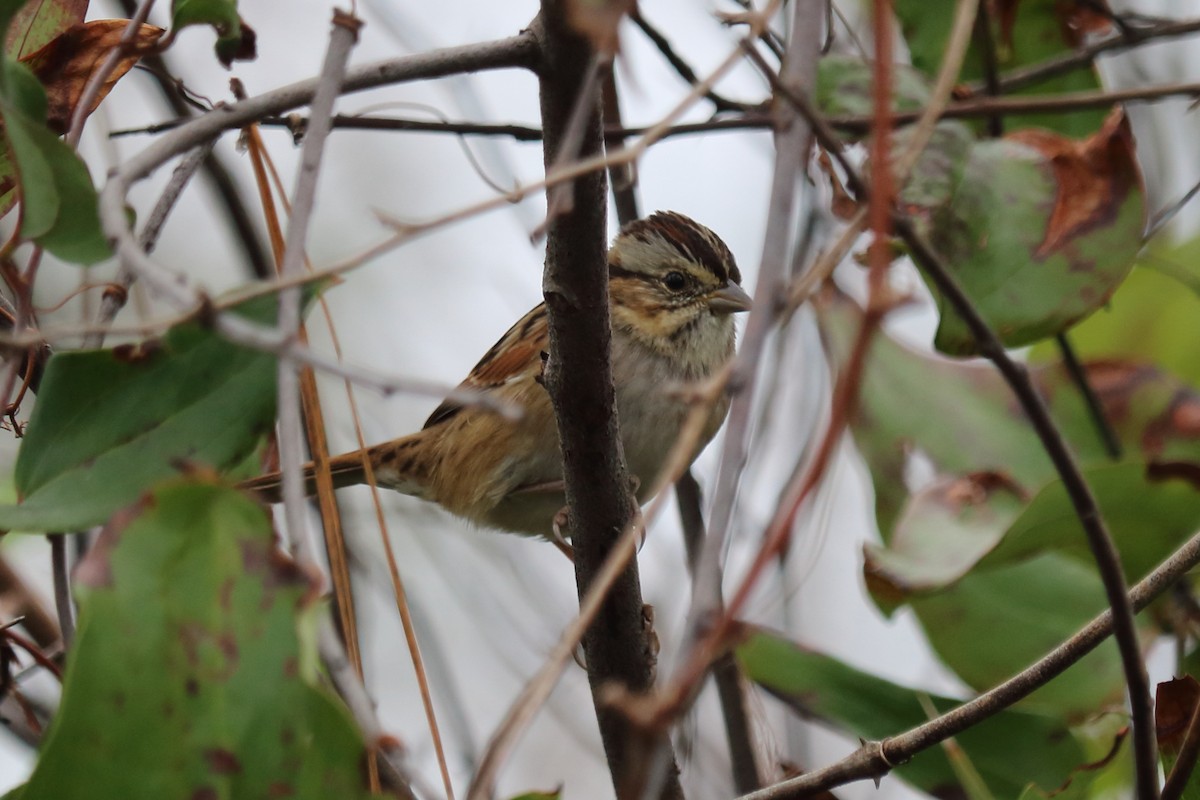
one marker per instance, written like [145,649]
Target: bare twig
[622,179]
[342,38]
[850,123]
[113,301]
[349,686]
[874,759]
[1018,79]
[720,103]
[1104,429]
[792,143]
[63,602]
[231,205]
[731,690]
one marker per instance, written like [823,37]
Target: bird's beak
[729,300]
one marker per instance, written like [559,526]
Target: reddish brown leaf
[1079,19]
[1005,12]
[1093,176]
[1174,704]
[65,64]
[39,21]
[598,20]
[843,206]
[1074,18]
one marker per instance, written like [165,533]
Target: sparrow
[673,289]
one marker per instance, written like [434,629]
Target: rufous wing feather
[517,354]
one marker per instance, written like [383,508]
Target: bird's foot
[562,520]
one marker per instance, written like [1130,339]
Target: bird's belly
[649,430]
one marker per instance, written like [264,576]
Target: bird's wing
[518,355]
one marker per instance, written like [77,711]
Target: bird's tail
[392,463]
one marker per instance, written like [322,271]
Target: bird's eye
[675,281]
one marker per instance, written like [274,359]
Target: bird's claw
[561,520]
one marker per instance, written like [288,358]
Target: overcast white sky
[491,606]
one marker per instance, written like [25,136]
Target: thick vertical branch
[579,380]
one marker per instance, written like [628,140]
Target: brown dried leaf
[1079,19]
[1094,176]
[64,65]
[1075,19]
[598,20]
[1174,704]
[843,206]
[1005,12]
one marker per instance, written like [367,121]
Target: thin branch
[351,690]
[622,179]
[731,689]
[875,759]
[849,123]
[1084,502]
[1018,79]
[579,380]
[113,301]
[231,204]
[1104,429]
[986,43]
[1040,104]
[342,38]
[63,603]
[792,142]
[1107,559]
[720,103]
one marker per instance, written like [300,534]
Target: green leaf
[993,623]
[109,424]
[194,671]
[1037,30]
[971,423]
[235,39]
[55,187]
[1154,305]
[983,520]
[1008,750]
[1038,230]
[36,24]
[844,86]
[990,555]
